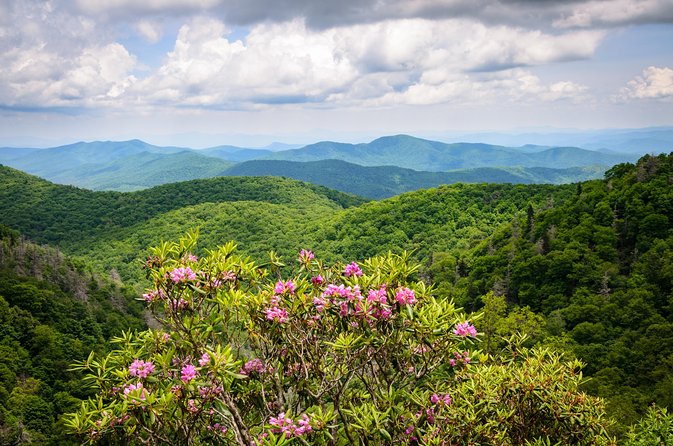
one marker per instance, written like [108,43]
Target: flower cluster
[460,358]
[285,425]
[140,368]
[205,360]
[177,304]
[284,287]
[153,295]
[182,274]
[305,256]
[275,312]
[465,329]
[405,296]
[352,269]
[188,373]
[135,387]
[254,365]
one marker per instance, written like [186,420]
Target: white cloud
[654,83]
[417,61]
[616,12]
[53,57]
[150,31]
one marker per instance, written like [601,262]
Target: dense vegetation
[52,312]
[599,267]
[586,268]
[379,182]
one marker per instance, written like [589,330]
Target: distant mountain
[420,154]
[632,141]
[134,165]
[7,154]
[49,162]
[236,154]
[142,170]
[386,181]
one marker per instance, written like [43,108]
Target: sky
[201,73]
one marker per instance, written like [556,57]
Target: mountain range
[382,168]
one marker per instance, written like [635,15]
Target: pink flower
[182,275]
[281,287]
[317,280]
[434,399]
[320,303]
[175,304]
[141,368]
[405,296]
[205,360]
[192,258]
[135,387]
[378,296]
[465,329]
[276,314]
[305,256]
[254,365]
[188,373]
[352,270]
[304,425]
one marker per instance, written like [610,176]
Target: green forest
[583,269]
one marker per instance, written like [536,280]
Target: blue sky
[208,72]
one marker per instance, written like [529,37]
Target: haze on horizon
[209,72]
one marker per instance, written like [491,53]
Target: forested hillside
[261,214]
[379,182]
[599,268]
[53,311]
[586,268]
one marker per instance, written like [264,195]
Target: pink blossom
[281,287]
[320,303]
[191,406]
[285,425]
[352,270]
[188,373]
[276,314]
[151,296]
[434,399]
[405,296]
[465,329]
[317,280]
[205,360]
[254,365]
[378,296]
[192,258]
[304,425]
[175,304]
[135,387]
[305,256]
[182,275]
[141,368]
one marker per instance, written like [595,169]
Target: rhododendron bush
[305,353]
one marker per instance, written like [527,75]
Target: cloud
[414,61]
[654,83]
[616,12]
[321,14]
[149,31]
